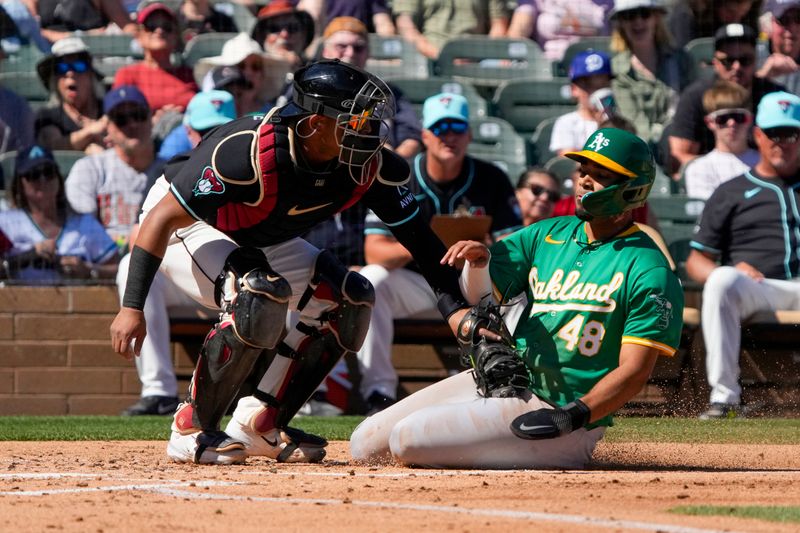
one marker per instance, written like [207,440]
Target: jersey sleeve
[655,311]
[511,261]
[82,184]
[711,233]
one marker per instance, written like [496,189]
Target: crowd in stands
[708,84]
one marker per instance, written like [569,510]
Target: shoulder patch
[208,183]
[394,169]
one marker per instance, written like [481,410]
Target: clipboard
[453,228]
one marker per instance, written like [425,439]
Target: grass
[770,513]
[743,431]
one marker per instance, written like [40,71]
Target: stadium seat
[27,85]
[663,185]
[600,43]
[487,62]
[562,168]
[242,16]
[525,103]
[417,90]
[676,209]
[205,45]
[493,139]
[112,45]
[392,57]
[24,60]
[702,52]
[540,142]
[65,159]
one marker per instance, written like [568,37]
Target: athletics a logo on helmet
[208,183]
[599,142]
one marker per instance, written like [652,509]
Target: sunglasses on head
[446,126]
[78,66]
[123,118]
[291,25]
[728,62]
[552,195]
[152,25]
[783,135]
[721,117]
[45,173]
[632,14]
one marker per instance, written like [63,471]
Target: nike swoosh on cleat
[550,240]
[272,443]
[296,210]
[523,427]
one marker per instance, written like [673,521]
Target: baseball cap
[734,32]
[224,76]
[277,8]
[779,109]
[779,7]
[149,9]
[614,149]
[628,5]
[589,63]
[350,24]
[32,157]
[442,106]
[121,95]
[209,109]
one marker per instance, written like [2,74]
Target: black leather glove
[551,423]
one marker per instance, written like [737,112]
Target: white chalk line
[172,488]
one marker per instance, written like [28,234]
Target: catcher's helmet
[625,154]
[357,100]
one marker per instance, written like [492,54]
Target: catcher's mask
[358,101]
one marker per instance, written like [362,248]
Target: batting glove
[551,423]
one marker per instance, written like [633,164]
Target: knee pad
[255,297]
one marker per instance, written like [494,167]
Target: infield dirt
[131,486]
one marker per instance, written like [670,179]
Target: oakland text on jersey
[574,293]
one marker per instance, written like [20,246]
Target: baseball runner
[223,223]
[603,305]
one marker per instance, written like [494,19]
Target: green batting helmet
[623,153]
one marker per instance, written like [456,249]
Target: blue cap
[442,106]
[31,157]
[123,94]
[589,63]
[776,110]
[209,109]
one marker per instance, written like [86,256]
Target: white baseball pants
[448,425]
[729,298]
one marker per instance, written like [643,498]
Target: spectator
[205,111]
[427,24]
[648,72]
[730,121]
[167,88]
[19,27]
[284,32]
[537,192]
[556,24]
[59,18]
[588,72]
[445,180]
[692,19]
[51,243]
[749,226]
[734,61]
[781,65]
[374,14]
[74,120]
[201,16]
[16,117]
[265,76]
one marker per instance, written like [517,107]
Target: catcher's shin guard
[335,309]
[254,300]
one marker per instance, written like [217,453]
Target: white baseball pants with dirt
[729,298]
[154,363]
[399,293]
[448,425]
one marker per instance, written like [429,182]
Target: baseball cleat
[205,447]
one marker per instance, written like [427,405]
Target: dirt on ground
[131,486]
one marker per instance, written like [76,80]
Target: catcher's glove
[498,370]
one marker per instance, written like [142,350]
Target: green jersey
[585,300]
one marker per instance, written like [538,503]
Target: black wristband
[141,271]
[579,414]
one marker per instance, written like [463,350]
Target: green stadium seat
[600,43]
[676,209]
[417,90]
[242,16]
[27,85]
[525,103]
[393,57]
[24,60]
[64,159]
[540,142]
[488,62]
[205,45]
[702,52]
[493,139]
[110,45]
[563,169]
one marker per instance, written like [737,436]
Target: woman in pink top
[167,88]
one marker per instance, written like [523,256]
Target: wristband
[579,414]
[141,271]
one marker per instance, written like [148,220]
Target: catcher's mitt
[497,368]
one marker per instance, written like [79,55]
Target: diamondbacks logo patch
[208,183]
[784,105]
[599,142]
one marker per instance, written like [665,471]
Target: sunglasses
[783,135]
[441,128]
[152,25]
[47,173]
[721,117]
[728,62]
[79,66]
[552,196]
[124,118]
[638,13]
[276,26]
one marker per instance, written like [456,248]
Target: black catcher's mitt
[497,368]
